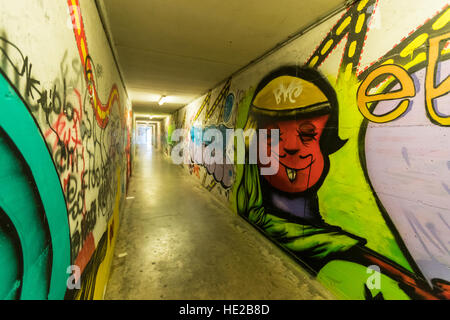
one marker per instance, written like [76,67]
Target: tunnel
[224,151]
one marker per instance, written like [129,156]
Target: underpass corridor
[225,150]
[177,242]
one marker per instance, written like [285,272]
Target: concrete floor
[182,243]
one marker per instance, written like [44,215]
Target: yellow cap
[287,93]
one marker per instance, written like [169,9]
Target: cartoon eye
[269,136]
[307,132]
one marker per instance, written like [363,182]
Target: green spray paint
[340,205]
[33,200]
[170,131]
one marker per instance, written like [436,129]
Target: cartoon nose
[291,152]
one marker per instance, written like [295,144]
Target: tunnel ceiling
[181,49]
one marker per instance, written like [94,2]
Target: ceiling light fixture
[162,100]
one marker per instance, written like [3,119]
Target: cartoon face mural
[285,206]
[300,158]
[303,106]
[303,112]
[288,210]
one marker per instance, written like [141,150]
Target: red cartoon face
[301,161]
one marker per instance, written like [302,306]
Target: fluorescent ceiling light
[146,97]
[162,100]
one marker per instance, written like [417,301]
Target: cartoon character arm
[314,245]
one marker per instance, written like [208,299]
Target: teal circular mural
[34,229]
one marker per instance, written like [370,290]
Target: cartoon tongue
[291,174]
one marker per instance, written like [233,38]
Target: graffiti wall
[65,140]
[361,198]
